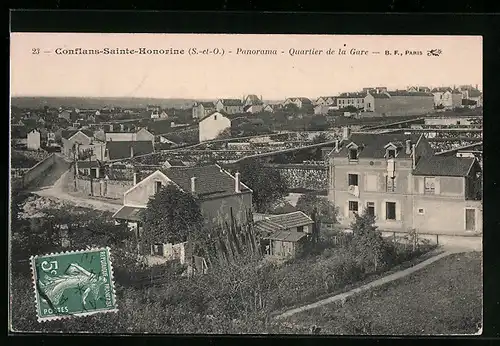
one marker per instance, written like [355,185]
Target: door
[470,219]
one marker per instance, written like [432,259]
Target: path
[51,189]
[382,281]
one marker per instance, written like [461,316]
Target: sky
[209,76]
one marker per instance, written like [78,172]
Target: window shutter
[347,209]
[398,211]
[383,213]
[436,186]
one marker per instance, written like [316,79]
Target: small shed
[286,243]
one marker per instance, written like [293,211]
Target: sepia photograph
[246,184]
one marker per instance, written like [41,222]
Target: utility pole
[75,163]
[90,171]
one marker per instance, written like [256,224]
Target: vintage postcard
[246,184]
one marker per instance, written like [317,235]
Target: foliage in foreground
[237,297]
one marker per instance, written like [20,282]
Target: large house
[326,101]
[212,125]
[355,99]
[300,102]
[398,179]
[471,95]
[400,102]
[201,109]
[222,195]
[447,98]
[82,143]
[229,106]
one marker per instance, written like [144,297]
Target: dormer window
[391,150]
[391,153]
[353,154]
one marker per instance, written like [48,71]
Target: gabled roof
[231,102]
[288,236]
[217,112]
[451,166]
[372,145]
[381,95]
[206,104]
[267,227]
[121,149]
[474,93]
[254,99]
[211,181]
[291,220]
[441,89]
[68,134]
[302,99]
[129,213]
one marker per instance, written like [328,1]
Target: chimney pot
[193,184]
[337,145]
[135,178]
[131,151]
[237,182]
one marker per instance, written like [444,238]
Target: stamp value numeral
[35,51]
[50,266]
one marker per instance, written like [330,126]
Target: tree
[171,216]
[291,107]
[321,138]
[267,184]
[368,244]
[326,211]
[350,109]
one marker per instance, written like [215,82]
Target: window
[300,229]
[458,122]
[353,154]
[421,211]
[369,104]
[390,211]
[215,117]
[391,153]
[429,185]
[353,206]
[157,186]
[370,208]
[390,184]
[158,249]
[352,179]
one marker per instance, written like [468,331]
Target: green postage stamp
[73,283]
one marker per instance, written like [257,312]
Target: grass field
[443,298]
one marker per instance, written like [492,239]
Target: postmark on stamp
[73,283]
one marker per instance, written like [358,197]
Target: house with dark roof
[221,195]
[354,99]
[253,100]
[447,98]
[399,102]
[201,109]
[473,96]
[300,102]
[80,142]
[326,101]
[119,150]
[229,106]
[398,179]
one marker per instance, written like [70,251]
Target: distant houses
[201,109]
[300,102]
[229,106]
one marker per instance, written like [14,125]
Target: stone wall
[303,176]
[113,189]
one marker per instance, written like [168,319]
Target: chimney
[237,182]
[413,158]
[135,178]
[131,151]
[346,132]
[337,145]
[106,153]
[193,185]
[172,124]
[408,147]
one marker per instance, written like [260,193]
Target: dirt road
[54,187]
